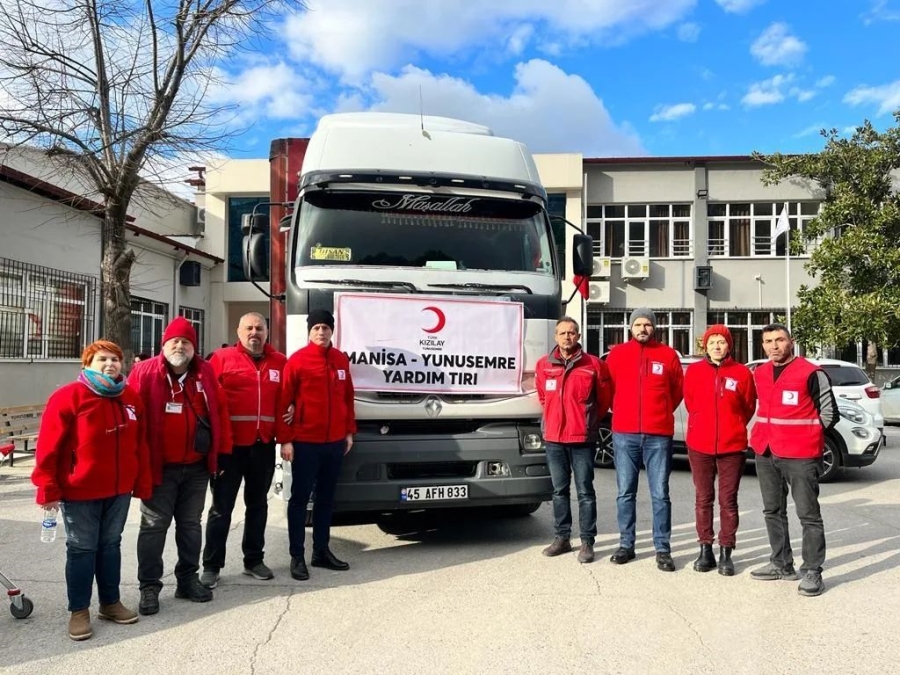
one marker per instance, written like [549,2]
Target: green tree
[120,89]
[854,241]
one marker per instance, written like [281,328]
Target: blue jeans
[656,452]
[565,459]
[315,466]
[93,548]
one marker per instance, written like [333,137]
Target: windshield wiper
[485,287]
[371,284]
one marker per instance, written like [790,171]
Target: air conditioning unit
[601,268]
[635,268]
[598,293]
[200,226]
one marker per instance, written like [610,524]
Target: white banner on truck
[425,344]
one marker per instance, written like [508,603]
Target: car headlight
[852,414]
[531,439]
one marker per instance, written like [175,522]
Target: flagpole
[787,271]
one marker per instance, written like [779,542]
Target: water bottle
[48,525]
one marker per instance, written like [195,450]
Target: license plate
[434,493]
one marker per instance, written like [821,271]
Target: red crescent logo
[441,320]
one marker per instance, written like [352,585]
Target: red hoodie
[317,381]
[253,390]
[575,395]
[92,446]
[647,382]
[150,381]
[720,401]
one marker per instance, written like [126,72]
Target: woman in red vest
[720,398]
[91,459]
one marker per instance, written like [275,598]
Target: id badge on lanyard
[173,407]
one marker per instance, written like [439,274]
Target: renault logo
[433,406]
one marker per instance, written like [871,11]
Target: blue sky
[600,77]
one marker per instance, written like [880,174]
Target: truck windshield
[396,229]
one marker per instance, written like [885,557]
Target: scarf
[101,384]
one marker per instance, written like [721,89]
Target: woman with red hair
[91,459]
[720,397]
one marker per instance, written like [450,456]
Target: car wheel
[831,459]
[605,456]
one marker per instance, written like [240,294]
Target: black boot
[726,567]
[706,561]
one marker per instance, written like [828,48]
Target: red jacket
[317,381]
[149,379]
[647,381]
[253,390]
[787,421]
[720,401]
[91,446]
[575,395]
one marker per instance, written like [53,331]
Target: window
[44,313]
[195,317]
[655,230]
[607,329]
[237,207]
[746,330]
[148,321]
[743,230]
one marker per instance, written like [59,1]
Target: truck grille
[431,470]
[428,427]
[401,397]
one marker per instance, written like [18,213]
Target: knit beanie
[318,316]
[642,313]
[718,329]
[180,327]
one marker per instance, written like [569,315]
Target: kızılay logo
[440,318]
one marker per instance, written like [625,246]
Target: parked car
[849,382]
[890,401]
[855,441]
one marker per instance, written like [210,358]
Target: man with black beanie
[317,382]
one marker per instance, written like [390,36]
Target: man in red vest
[796,406]
[250,376]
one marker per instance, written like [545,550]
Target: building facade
[50,272]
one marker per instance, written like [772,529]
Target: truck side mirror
[252,223]
[582,255]
[256,256]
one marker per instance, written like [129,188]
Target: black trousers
[776,475]
[255,466]
[181,497]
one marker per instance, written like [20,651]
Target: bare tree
[115,88]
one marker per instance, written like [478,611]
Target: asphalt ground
[476,596]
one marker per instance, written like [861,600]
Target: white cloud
[709,106]
[548,109]
[811,130]
[886,97]
[880,12]
[519,38]
[688,32]
[802,95]
[826,81]
[778,47]
[668,113]
[766,92]
[355,37]
[276,91]
[738,6]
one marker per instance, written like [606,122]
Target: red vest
[787,421]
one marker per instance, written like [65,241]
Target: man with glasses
[575,391]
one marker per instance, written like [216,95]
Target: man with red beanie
[720,398]
[250,376]
[188,428]
[647,379]
[317,383]
[796,406]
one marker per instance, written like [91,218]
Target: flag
[782,226]
[581,283]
